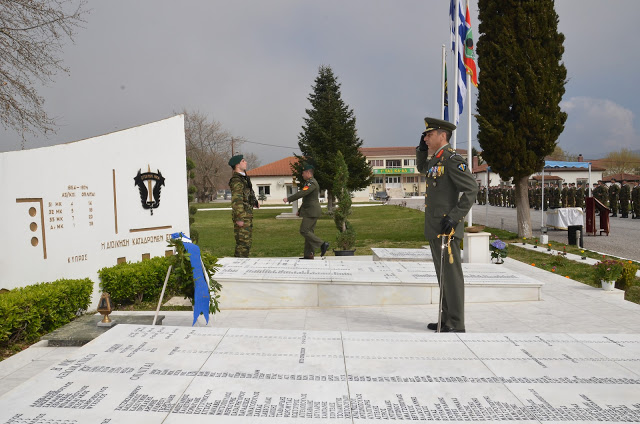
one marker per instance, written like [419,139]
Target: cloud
[597,125]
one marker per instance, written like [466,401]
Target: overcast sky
[250,65]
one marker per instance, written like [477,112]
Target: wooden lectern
[592,205]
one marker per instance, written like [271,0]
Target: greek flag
[460,70]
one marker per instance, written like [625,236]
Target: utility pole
[232,150]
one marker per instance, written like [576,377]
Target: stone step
[284,282]
[84,329]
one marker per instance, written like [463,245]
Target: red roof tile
[621,177]
[278,168]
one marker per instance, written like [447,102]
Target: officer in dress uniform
[447,177]
[310,212]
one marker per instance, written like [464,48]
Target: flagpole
[456,72]
[469,151]
[444,58]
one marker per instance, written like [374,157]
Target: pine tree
[522,83]
[330,126]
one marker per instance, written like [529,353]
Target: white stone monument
[71,209]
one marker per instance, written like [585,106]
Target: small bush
[628,276]
[129,282]
[29,312]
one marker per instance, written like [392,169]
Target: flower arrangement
[549,247]
[536,243]
[607,270]
[583,257]
[524,241]
[498,250]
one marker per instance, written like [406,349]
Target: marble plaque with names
[144,374]
[411,255]
[366,272]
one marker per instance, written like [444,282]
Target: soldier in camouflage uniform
[556,196]
[571,195]
[565,195]
[635,200]
[614,190]
[601,193]
[580,196]
[451,189]
[243,200]
[625,197]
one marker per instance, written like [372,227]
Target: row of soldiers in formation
[618,198]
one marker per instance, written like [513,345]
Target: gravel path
[623,240]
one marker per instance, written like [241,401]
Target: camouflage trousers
[243,238]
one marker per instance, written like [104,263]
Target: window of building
[410,179]
[582,182]
[377,180]
[394,163]
[409,162]
[393,180]
[376,162]
[423,178]
[264,189]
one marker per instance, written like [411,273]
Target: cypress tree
[330,126]
[522,83]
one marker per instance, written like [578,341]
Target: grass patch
[379,226]
[557,264]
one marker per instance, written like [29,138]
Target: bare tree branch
[32,37]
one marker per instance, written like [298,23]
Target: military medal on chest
[435,172]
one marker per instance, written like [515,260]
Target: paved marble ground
[164,374]
[571,356]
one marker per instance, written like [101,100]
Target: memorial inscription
[179,375]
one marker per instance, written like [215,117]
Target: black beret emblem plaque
[149,192]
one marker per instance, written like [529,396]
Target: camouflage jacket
[243,199]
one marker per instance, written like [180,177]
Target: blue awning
[563,164]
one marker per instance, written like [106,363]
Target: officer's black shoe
[432,326]
[323,248]
[614,215]
[445,329]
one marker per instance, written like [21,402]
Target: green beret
[438,124]
[307,166]
[235,160]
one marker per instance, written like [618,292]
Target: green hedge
[29,312]
[133,282]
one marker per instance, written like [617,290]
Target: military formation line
[622,199]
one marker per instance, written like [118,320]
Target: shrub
[129,282]
[29,312]
[628,276]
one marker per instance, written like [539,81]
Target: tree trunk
[329,201]
[522,207]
